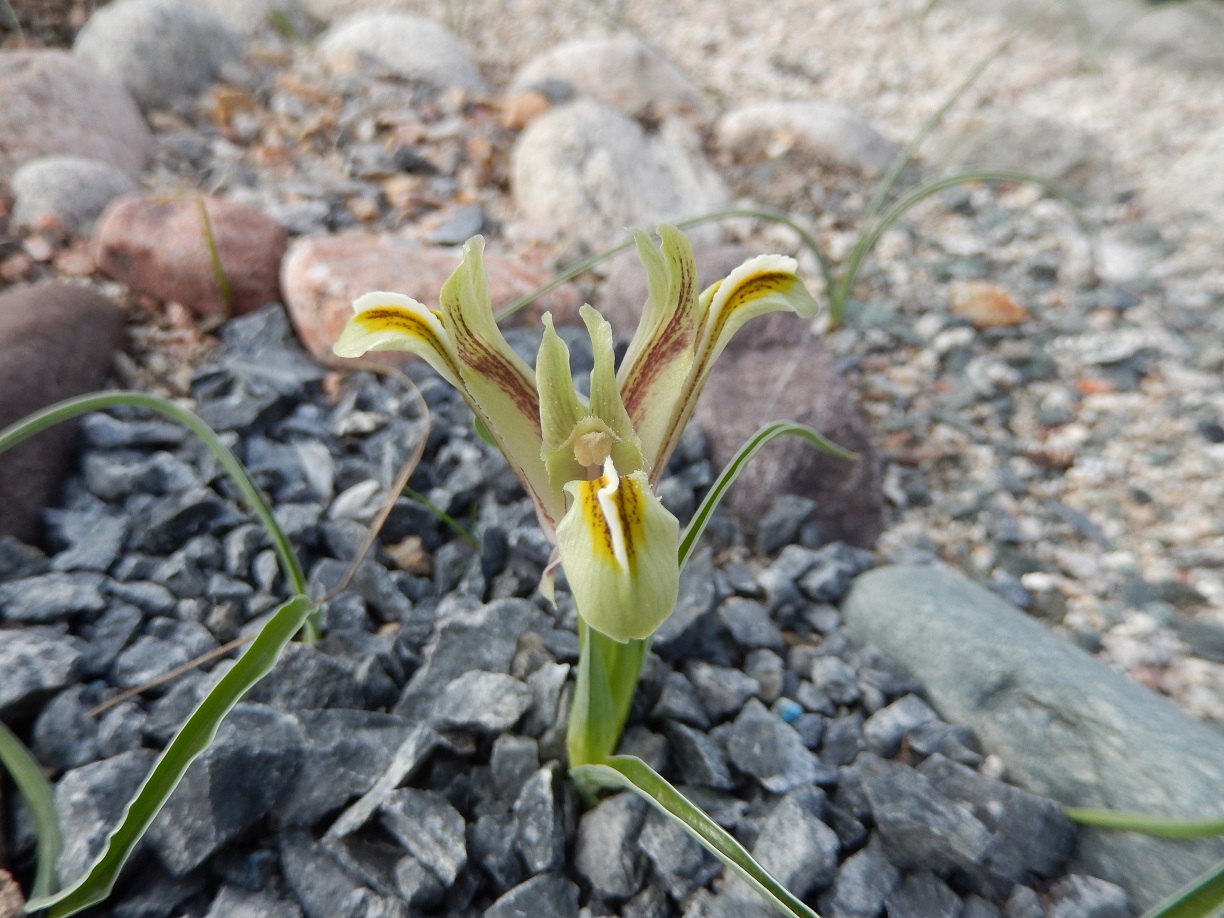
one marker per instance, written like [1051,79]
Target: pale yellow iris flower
[589,465]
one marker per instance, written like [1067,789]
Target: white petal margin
[618,546]
[394,322]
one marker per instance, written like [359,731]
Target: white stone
[409,46]
[255,17]
[619,71]
[583,172]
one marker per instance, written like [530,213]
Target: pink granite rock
[56,341]
[322,275]
[158,246]
[55,103]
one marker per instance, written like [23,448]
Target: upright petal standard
[590,463]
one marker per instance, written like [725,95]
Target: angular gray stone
[409,46]
[923,895]
[89,801]
[430,828]
[681,865]
[796,846]
[218,799]
[481,702]
[605,852]
[723,691]
[919,826]
[763,745]
[1033,836]
[72,189]
[308,679]
[678,701]
[1066,725]
[484,638]
[56,104]
[412,753]
[750,624]
[550,895]
[862,884]
[51,598]
[698,757]
[318,883]
[161,50]
[64,736]
[35,663]
[234,902]
[540,823]
[146,659]
[1087,897]
[886,728]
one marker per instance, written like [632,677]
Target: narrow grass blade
[100,401]
[1121,821]
[580,267]
[868,239]
[727,477]
[214,257]
[37,794]
[630,773]
[1203,898]
[191,740]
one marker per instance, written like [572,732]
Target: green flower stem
[99,401]
[607,676]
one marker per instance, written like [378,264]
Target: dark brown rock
[323,275]
[56,341]
[159,247]
[774,369]
[56,104]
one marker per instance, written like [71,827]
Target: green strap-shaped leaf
[1203,898]
[192,739]
[34,788]
[727,477]
[631,773]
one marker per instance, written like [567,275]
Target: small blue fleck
[788,710]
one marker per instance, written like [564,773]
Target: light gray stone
[72,189]
[89,801]
[605,853]
[250,18]
[795,845]
[540,824]
[161,50]
[582,171]
[549,895]
[409,46]
[1066,725]
[481,702]
[763,745]
[35,663]
[619,71]
[430,828]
